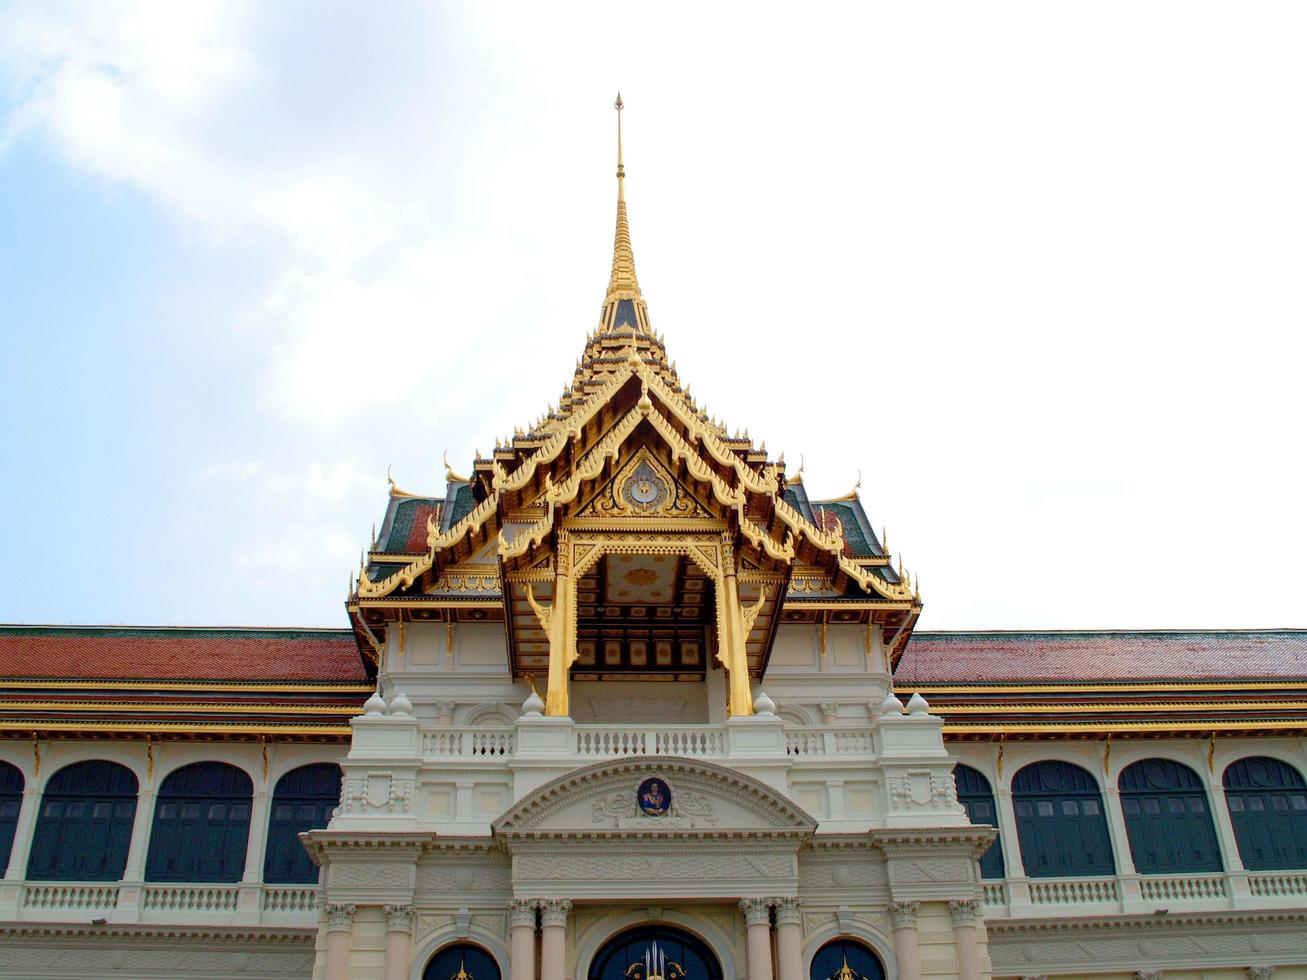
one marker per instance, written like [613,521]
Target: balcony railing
[249,903]
[604,741]
[614,741]
[1142,894]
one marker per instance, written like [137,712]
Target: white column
[1018,885]
[399,940]
[1125,862]
[522,945]
[258,838]
[553,937]
[340,932]
[964,915]
[903,919]
[757,917]
[1224,826]
[789,939]
[23,830]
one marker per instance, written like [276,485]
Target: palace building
[626,703]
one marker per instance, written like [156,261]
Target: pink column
[340,930]
[903,917]
[522,945]
[553,937]
[966,915]
[399,940]
[789,939]
[757,916]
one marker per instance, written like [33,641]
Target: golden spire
[622,284]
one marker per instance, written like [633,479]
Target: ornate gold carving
[644,488]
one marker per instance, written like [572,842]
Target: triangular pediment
[654,795]
[643,487]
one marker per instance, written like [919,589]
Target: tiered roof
[114,681]
[990,685]
[444,558]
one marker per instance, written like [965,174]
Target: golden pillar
[559,623]
[732,632]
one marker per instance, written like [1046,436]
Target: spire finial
[622,284]
[621,171]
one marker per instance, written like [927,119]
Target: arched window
[1268,807]
[462,961]
[1060,821]
[632,955]
[977,799]
[303,800]
[84,827]
[11,801]
[201,824]
[845,959]
[1167,819]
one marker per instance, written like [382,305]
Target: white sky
[1036,270]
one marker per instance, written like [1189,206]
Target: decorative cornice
[220,934]
[1014,928]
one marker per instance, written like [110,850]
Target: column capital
[399,918]
[522,912]
[1261,972]
[1148,975]
[787,910]
[757,911]
[340,918]
[903,915]
[965,913]
[554,911]
[1034,976]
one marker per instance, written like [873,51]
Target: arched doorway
[650,951]
[845,959]
[462,961]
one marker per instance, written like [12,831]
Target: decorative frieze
[923,789]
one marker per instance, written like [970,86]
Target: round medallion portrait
[655,797]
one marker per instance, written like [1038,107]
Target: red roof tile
[179,654]
[1093,656]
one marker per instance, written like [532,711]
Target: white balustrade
[1072,891]
[290,898]
[804,742]
[994,892]
[190,898]
[603,741]
[73,896]
[462,743]
[608,741]
[1182,889]
[1290,885]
